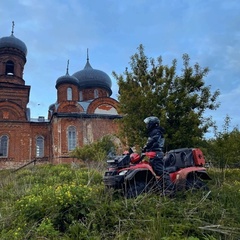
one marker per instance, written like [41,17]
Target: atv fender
[140,174]
[199,171]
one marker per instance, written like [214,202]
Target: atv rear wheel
[194,183]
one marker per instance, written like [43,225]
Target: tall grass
[60,202]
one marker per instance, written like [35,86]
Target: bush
[96,151]
[52,203]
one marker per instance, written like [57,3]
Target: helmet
[151,122]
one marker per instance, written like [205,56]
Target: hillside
[66,202]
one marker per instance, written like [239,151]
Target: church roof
[13,42]
[92,78]
[67,79]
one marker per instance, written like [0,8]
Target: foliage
[96,151]
[178,100]
[224,149]
[58,202]
[49,205]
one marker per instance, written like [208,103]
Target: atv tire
[135,188]
[194,183]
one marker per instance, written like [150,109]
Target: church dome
[93,78]
[67,78]
[13,42]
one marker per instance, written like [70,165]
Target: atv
[132,174]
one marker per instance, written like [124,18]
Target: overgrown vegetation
[223,149]
[96,151]
[60,202]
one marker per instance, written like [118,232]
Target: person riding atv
[155,143]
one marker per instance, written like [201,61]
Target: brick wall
[22,142]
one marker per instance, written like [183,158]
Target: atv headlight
[123,172]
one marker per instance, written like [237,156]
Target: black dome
[67,79]
[90,78]
[13,42]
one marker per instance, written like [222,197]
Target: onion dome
[93,78]
[13,42]
[67,79]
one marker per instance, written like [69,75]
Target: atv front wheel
[135,188]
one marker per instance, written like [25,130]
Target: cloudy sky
[57,30]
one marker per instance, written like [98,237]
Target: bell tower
[14,94]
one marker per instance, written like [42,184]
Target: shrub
[96,151]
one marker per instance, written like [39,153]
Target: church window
[9,68]
[95,93]
[71,138]
[40,146]
[4,146]
[69,94]
[80,96]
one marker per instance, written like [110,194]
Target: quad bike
[133,175]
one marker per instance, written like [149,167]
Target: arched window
[80,96]
[71,138]
[95,93]
[9,68]
[39,146]
[69,94]
[3,146]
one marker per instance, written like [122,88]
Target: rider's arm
[152,140]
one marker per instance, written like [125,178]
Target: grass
[60,202]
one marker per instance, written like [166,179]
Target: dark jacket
[155,140]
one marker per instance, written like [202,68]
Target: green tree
[224,149]
[151,88]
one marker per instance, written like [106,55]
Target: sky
[56,31]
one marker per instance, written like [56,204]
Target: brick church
[83,112]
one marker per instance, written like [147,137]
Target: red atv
[133,175]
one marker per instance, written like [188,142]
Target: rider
[155,143]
